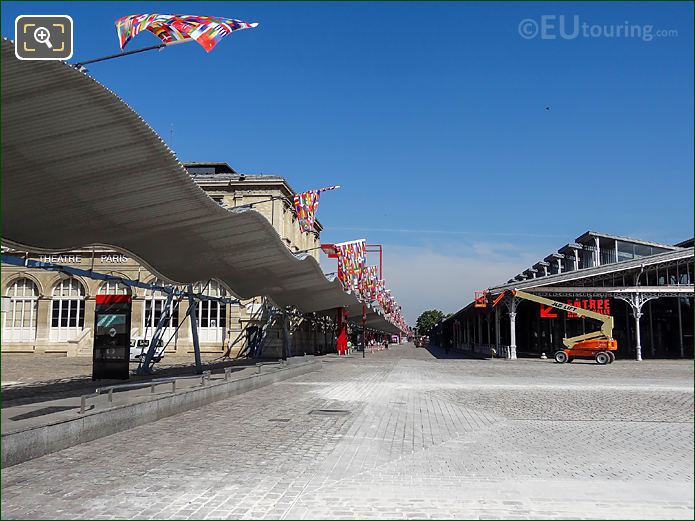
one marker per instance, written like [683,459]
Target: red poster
[602,306]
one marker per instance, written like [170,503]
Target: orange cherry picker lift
[599,345]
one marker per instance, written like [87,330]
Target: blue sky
[432,118]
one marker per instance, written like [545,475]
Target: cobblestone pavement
[422,437]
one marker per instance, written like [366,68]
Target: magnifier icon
[42,35]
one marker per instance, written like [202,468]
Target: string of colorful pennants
[208,31]
[353,272]
[364,280]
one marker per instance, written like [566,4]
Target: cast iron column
[638,315]
[512,335]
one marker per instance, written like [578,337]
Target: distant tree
[427,320]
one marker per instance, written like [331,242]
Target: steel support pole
[193,313]
[145,368]
[285,335]
[128,53]
[487,322]
[638,315]
[480,328]
[497,329]
[512,335]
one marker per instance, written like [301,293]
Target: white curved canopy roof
[80,167]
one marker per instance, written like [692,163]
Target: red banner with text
[601,305]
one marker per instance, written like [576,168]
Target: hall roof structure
[80,168]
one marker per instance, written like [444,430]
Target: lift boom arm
[606,320]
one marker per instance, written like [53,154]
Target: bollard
[227,372]
[259,367]
[152,388]
[173,386]
[111,395]
[83,401]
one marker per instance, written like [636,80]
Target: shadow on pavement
[39,391]
[453,354]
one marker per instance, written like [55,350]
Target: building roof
[587,235]
[224,177]
[80,167]
[220,167]
[688,243]
[569,248]
[569,276]
[598,270]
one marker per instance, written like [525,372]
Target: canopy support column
[146,366]
[636,300]
[193,313]
[512,335]
[497,329]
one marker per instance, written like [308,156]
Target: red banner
[601,305]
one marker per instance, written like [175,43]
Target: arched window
[212,316]
[155,302]
[111,287]
[20,317]
[67,313]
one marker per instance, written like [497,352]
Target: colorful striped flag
[306,204]
[170,28]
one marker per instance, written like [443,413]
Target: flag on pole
[306,204]
[170,28]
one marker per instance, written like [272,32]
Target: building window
[67,312]
[113,288]
[20,316]
[642,250]
[212,316]
[586,258]
[626,251]
[155,303]
[684,274]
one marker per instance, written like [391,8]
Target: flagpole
[79,65]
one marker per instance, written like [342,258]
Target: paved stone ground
[424,437]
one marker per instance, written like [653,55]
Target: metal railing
[152,384]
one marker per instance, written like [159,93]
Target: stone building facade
[45,312]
